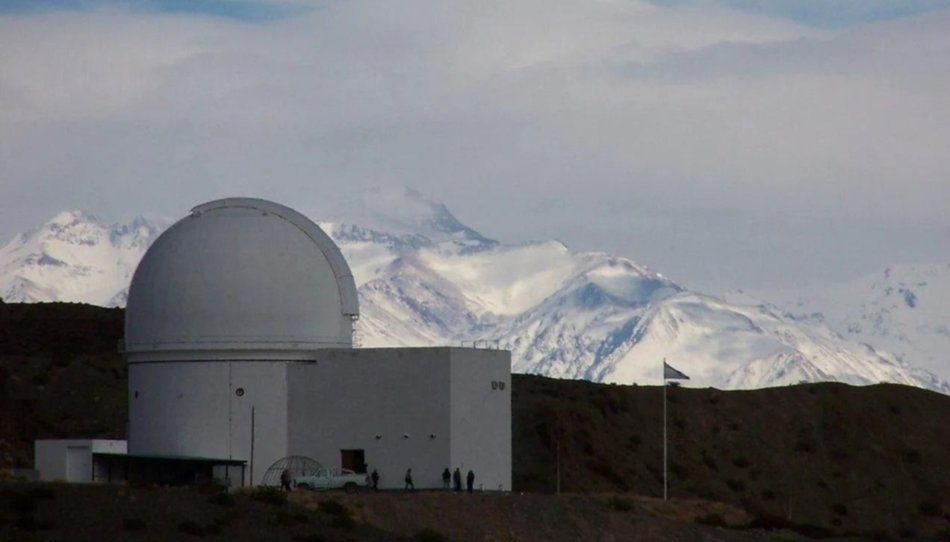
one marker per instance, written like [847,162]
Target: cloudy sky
[727,144]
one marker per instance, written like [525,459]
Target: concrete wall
[419,408]
[351,397]
[442,398]
[481,416]
[195,409]
[70,460]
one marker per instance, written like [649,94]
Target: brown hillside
[868,459]
[849,459]
[60,376]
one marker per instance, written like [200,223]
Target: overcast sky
[726,144]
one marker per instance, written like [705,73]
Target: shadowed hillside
[60,376]
[829,457]
[869,459]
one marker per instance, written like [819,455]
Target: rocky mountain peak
[426,279]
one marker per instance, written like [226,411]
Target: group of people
[450,480]
[455,478]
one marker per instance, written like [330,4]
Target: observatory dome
[240,278]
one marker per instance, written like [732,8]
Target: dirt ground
[79,512]
[487,517]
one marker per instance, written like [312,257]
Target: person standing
[375,478]
[457,479]
[285,480]
[446,478]
[470,481]
[409,484]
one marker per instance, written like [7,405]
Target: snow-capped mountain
[602,318]
[75,257]
[426,279]
[902,310]
[399,215]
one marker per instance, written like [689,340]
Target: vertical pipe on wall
[230,409]
[252,447]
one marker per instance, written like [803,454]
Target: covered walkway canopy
[167,470]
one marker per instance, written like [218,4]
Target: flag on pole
[670,373]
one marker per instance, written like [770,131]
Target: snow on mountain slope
[750,346]
[903,310]
[401,216]
[75,257]
[429,280]
[602,318]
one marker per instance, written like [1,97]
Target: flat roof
[182,458]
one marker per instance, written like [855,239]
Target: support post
[251,481]
[664,440]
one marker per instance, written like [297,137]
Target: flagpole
[664,432]
[669,373]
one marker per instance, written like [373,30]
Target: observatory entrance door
[354,460]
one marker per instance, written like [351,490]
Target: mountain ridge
[568,314]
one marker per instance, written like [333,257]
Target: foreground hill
[76,513]
[834,457]
[426,279]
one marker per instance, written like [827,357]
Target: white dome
[240,279]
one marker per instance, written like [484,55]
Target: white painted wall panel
[79,463]
[49,458]
[179,409]
[350,396]
[192,409]
[481,416]
[265,390]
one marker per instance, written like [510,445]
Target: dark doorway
[354,460]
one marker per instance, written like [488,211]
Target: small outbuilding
[75,460]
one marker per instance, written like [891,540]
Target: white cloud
[718,146]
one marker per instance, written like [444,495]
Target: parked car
[335,478]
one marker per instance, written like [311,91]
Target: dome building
[239,340]
[241,278]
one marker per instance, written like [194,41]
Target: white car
[335,478]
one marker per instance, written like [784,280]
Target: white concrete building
[75,460]
[394,409]
[238,335]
